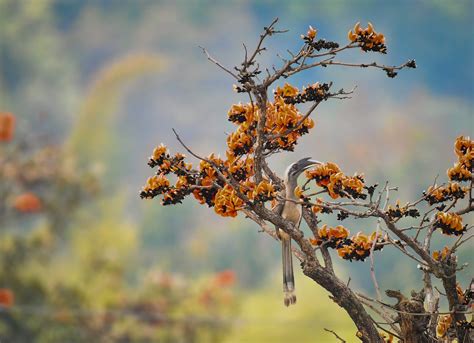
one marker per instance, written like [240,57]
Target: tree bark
[449,284]
[344,297]
[412,327]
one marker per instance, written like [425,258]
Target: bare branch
[372,268]
[217,63]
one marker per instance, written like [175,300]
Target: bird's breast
[292,212]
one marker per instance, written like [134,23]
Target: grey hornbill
[290,211]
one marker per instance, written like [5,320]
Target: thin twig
[213,60]
[335,334]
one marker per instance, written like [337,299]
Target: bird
[292,212]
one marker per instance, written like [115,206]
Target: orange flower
[27,202]
[460,293]
[311,33]
[282,117]
[248,188]
[317,209]
[467,160]
[459,173]
[322,173]
[240,113]
[345,251]
[227,203]
[225,278]
[157,182]
[234,165]
[441,255]
[240,142]
[351,36]
[452,190]
[450,223]
[7,127]
[368,39]
[444,322]
[331,236]
[182,182]
[463,145]
[7,298]
[155,185]
[338,232]
[159,151]
[207,169]
[288,91]
[264,191]
[299,192]
[361,244]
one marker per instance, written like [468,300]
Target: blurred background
[89,87]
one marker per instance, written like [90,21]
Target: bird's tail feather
[288,277]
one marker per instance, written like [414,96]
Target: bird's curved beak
[310,162]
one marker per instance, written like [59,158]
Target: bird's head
[295,169]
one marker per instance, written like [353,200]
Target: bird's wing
[278,209]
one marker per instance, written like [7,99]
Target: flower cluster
[316,92]
[452,190]
[462,170]
[155,185]
[240,142]
[160,153]
[240,169]
[441,255]
[241,113]
[282,119]
[368,39]
[450,223]
[355,248]
[310,37]
[337,184]
[322,173]
[286,121]
[397,211]
[7,127]
[332,237]
[227,203]
[264,192]
[341,185]
[358,247]
[181,189]
[167,163]
[158,184]
[208,182]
